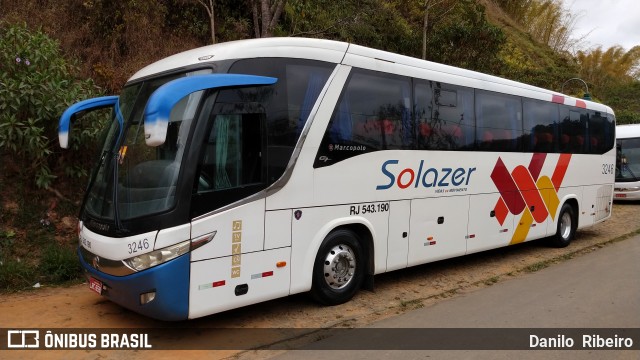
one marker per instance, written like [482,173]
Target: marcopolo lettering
[429,177]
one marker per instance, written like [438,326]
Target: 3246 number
[137,246]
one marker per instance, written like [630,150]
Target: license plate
[95,285]
[621,195]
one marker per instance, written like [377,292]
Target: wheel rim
[339,266]
[565,225]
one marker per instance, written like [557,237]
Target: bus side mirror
[77,109]
[162,101]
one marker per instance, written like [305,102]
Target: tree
[209,7]
[467,40]
[266,14]
[547,21]
[428,6]
[36,84]
[211,12]
[610,67]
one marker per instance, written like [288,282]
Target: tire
[339,268]
[567,224]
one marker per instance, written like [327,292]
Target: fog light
[147,297]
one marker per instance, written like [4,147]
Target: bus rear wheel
[338,271]
[567,224]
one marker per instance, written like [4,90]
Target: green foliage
[15,274]
[36,85]
[547,21]
[59,264]
[467,40]
[376,24]
[623,98]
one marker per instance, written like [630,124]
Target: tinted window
[499,121]
[541,125]
[444,116]
[287,104]
[232,152]
[573,130]
[373,113]
[601,133]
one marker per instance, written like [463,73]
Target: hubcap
[339,266]
[565,225]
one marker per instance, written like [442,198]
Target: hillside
[112,41]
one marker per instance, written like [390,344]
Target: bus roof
[360,56]
[628,131]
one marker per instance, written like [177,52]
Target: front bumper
[625,194]
[169,281]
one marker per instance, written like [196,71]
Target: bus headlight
[157,257]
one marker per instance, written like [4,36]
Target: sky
[611,22]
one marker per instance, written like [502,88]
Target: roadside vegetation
[53,54]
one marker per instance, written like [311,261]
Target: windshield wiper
[628,168]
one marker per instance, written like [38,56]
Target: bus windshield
[628,160]
[140,179]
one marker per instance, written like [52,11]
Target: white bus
[627,185]
[246,171]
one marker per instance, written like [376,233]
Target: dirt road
[396,292]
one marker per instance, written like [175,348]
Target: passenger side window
[444,116]
[287,103]
[573,130]
[601,131]
[541,126]
[373,113]
[499,121]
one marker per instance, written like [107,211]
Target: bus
[627,186]
[247,171]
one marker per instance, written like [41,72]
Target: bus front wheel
[567,224]
[338,271]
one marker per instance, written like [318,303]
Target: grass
[16,274]
[492,280]
[59,264]
[31,250]
[413,304]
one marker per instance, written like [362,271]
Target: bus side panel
[312,225]
[398,242]
[239,230]
[277,229]
[596,200]
[216,287]
[565,194]
[603,203]
[438,228]
[491,225]
[538,216]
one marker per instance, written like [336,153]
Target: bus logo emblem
[521,190]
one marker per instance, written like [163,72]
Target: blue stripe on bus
[170,281]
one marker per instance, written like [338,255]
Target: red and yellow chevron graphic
[524,189]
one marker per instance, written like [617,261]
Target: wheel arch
[571,200]
[365,235]
[360,226]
